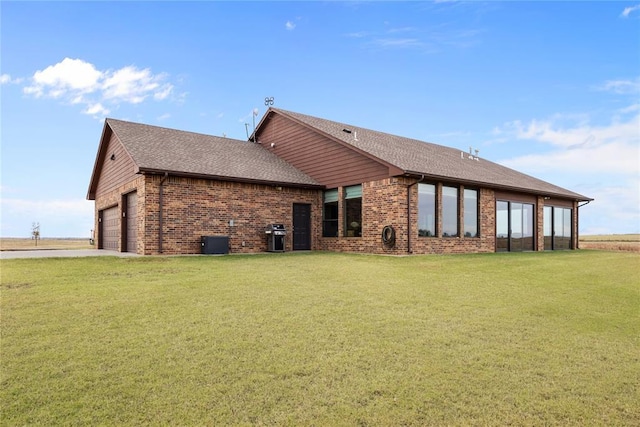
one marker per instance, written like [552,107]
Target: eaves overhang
[100,154]
[422,176]
[153,171]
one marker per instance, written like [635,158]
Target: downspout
[577,223]
[160,203]
[409,249]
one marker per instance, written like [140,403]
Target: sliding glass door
[557,228]
[515,224]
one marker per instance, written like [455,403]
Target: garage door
[110,229]
[132,224]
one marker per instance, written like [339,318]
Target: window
[561,228]
[471,213]
[330,214]
[353,211]
[548,228]
[449,211]
[426,210]
[514,226]
[502,226]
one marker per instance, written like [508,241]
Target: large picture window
[353,211]
[426,210]
[449,211]
[471,213]
[330,213]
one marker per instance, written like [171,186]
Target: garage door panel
[110,229]
[132,222]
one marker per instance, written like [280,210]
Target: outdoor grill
[275,237]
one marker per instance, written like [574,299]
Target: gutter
[160,203]
[578,223]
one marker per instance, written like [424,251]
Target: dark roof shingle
[154,148]
[432,160]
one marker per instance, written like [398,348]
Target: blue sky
[551,89]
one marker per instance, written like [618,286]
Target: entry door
[301,227]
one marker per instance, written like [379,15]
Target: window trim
[464,212]
[330,197]
[436,206]
[457,210]
[351,193]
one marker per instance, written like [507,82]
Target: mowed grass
[322,339]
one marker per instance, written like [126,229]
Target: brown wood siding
[553,201]
[114,173]
[516,197]
[327,161]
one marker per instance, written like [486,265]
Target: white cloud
[622,87]
[96,110]
[6,79]
[132,85]
[69,75]
[425,41]
[47,207]
[600,161]
[58,218]
[627,10]
[398,42]
[75,81]
[581,134]
[290,26]
[357,35]
[630,109]
[612,149]
[614,209]
[617,158]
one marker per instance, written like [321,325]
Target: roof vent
[345,130]
[470,156]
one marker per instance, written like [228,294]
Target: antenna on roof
[268,101]
[255,113]
[246,128]
[470,155]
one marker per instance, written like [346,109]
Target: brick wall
[540,224]
[448,245]
[199,207]
[384,202]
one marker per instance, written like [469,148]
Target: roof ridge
[109,119]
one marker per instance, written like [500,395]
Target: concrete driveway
[63,253]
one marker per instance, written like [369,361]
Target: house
[335,187]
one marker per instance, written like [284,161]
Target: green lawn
[322,339]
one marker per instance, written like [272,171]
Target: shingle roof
[154,148]
[422,158]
